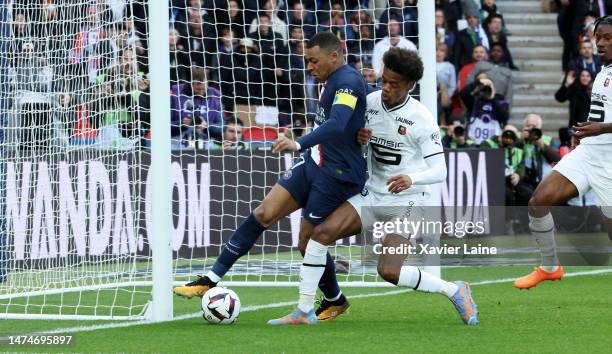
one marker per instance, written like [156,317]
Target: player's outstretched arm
[339,117]
[345,101]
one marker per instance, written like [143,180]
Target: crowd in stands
[237,69]
[474,106]
[227,57]
[230,58]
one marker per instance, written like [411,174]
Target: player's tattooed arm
[586,129]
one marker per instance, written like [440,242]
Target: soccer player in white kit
[405,156]
[588,166]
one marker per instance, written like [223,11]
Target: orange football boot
[537,276]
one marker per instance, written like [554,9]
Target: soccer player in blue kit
[331,170]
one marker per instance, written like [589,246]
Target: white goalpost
[429,91]
[161,306]
[116,179]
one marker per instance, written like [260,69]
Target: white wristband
[298,146]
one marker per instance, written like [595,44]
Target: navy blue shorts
[317,193]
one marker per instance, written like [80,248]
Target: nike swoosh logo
[314,217]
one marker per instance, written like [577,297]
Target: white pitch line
[284,304]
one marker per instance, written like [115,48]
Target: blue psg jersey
[340,114]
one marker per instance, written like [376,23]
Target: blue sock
[329,284]
[238,245]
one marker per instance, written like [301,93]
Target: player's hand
[585,129]
[288,134]
[363,135]
[515,178]
[399,183]
[187,121]
[574,142]
[284,145]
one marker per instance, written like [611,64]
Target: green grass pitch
[573,315]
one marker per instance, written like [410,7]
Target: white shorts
[590,167]
[373,208]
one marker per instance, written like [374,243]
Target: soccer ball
[220,306]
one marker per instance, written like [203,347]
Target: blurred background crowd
[238,76]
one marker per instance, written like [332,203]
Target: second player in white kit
[405,141]
[588,166]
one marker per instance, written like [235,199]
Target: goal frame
[160,308]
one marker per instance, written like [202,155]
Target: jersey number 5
[385,155]
[597,113]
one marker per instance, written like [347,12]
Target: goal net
[76,202]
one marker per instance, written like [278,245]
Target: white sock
[549,269]
[413,277]
[306,303]
[213,277]
[311,272]
[543,229]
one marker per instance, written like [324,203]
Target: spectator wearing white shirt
[278,25]
[393,39]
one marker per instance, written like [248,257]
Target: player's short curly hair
[405,62]
[605,20]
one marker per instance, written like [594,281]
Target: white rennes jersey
[402,138]
[601,105]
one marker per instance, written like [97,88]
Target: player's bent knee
[538,202]
[388,272]
[263,215]
[536,199]
[323,234]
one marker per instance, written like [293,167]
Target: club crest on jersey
[364,192]
[607,82]
[402,130]
[287,174]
